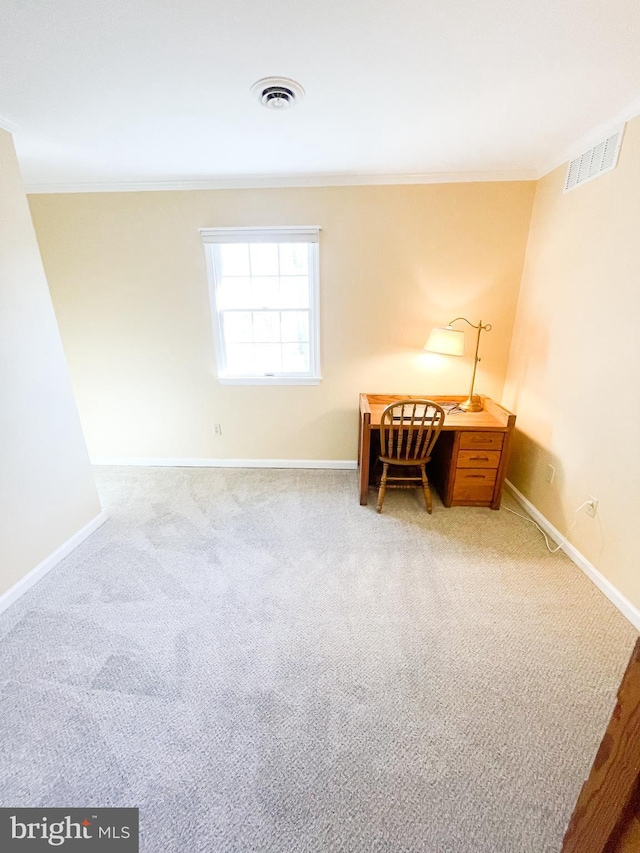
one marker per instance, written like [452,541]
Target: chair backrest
[409,429]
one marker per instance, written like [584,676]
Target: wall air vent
[602,158]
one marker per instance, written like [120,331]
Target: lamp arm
[485,326]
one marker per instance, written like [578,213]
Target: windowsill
[269,380]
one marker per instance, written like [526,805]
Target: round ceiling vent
[277,93]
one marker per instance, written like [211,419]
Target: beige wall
[574,372]
[129,286]
[128,280]
[47,491]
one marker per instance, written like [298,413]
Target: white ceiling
[158,90]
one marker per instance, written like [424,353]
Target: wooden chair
[408,431]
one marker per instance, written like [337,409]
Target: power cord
[546,538]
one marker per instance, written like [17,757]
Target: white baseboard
[27,581]
[614,595]
[226,463]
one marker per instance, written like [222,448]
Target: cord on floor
[546,538]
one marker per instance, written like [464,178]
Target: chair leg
[383,486]
[426,489]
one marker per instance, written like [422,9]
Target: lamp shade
[446,341]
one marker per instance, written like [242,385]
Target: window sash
[213,238]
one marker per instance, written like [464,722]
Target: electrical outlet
[551,474]
[591,507]
[217,429]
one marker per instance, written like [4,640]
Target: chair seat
[404,462]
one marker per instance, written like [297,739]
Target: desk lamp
[449,341]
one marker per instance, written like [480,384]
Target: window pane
[234,258]
[265,292]
[235,293]
[264,258]
[295,326]
[294,258]
[240,358]
[295,358]
[294,292]
[266,326]
[268,358]
[237,326]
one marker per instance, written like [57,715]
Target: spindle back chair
[409,430]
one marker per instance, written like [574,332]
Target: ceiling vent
[602,158]
[277,93]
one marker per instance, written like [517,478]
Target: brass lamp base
[471,404]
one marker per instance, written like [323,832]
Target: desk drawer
[481,440]
[478,458]
[474,484]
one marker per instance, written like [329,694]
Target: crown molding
[591,138]
[280,181]
[586,141]
[8,124]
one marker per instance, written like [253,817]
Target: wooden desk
[469,460]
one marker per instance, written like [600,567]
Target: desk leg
[502,471]
[364,441]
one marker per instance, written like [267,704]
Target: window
[263,285]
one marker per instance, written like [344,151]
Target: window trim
[268,234]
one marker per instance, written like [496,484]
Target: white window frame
[277,234]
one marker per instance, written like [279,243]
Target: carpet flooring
[260,664]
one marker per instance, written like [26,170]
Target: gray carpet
[260,664]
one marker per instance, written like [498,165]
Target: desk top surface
[492,417]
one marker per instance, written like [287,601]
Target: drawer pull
[478,459]
[475,476]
